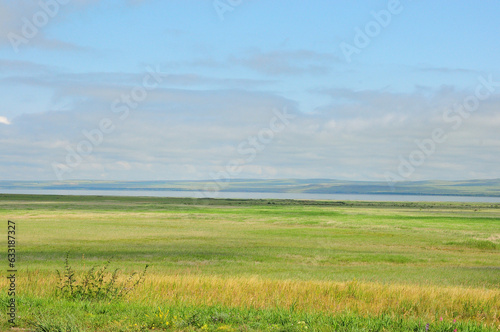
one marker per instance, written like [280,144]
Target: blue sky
[167,90]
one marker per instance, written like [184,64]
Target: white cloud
[287,62]
[187,134]
[191,126]
[17,28]
[4,120]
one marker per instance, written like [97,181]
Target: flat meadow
[252,265]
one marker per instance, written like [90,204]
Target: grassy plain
[253,265]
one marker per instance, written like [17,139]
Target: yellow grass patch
[428,302]
[481,305]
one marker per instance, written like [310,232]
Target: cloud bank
[192,133]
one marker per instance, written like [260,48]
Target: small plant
[45,324]
[96,284]
[160,320]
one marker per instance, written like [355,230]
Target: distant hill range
[313,186]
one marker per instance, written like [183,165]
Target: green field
[259,265]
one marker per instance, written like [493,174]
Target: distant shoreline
[468,188]
[255,191]
[159,193]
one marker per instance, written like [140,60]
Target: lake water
[253,195]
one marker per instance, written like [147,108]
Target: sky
[227,89]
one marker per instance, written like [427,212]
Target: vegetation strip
[265,265]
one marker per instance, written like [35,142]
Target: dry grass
[363,298]
[480,305]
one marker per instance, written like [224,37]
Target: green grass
[434,245]
[86,316]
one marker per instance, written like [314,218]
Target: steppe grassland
[414,261]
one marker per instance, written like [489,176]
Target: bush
[97,284]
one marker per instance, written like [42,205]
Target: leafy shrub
[97,284]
